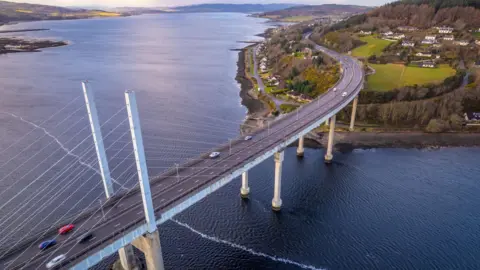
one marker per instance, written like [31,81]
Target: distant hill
[438,4]
[242,8]
[426,13]
[10,11]
[314,11]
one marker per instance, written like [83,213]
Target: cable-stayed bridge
[138,203]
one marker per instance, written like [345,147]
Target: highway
[124,212]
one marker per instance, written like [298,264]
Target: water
[370,209]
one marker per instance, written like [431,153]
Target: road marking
[98,216]
[139,213]
[162,200]
[120,205]
[93,238]
[180,190]
[196,181]
[225,165]
[211,173]
[238,158]
[117,225]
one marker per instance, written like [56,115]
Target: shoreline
[348,141]
[257,110]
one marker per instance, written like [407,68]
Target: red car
[66,229]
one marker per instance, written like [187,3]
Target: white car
[214,154]
[56,261]
[334,89]
[344,94]
[248,138]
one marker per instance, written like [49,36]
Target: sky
[165,3]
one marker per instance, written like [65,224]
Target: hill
[426,13]
[10,11]
[314,11]
[243,8]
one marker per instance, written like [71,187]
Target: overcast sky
[161,3]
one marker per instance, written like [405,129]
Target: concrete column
[149,244]
[331,134]
[127,258]
[354,114]
[277,201]
[300,149]
[98,139]
[326,122]
[137,141]
[245,190]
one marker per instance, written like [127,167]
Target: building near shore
[408,44]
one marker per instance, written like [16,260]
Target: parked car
[66,229]
[214,154]
[334,89]
[56,261]
[344,94]
[84,237]
[46,244]
[248,138]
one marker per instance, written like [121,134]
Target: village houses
[407,28]
[449,37]
[365,33]
[408,44]
[428,64]
[461,42]
[445,30]
[477,42]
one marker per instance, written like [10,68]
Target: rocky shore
[16,45]
[257,110]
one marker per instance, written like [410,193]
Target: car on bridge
[344,94]
[46,244]
[66,229]
[84,237]
[56,261]
[334,89]
[248,138]
[214,154]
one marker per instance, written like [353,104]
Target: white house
[449,37]
[432,37]
[477,42]
[445,30]
[398,36]
[428,41]
[407,28]
[408,44]
[428,64]
[366,33]
[461,42]
[420,54]
[388,33]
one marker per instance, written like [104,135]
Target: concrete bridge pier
[245,190]
[354,114]
[300,148]
[277,201]
[127,258]
[149,244]
[331,135]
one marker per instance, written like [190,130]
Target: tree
[437,126]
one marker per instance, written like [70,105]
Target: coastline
[258,111]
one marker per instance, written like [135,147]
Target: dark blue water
[370,209]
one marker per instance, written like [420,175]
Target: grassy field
[390,76]
[374,46]
[298,18]
[476,34]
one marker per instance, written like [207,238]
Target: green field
[298,18]
[390,76]
[374,46]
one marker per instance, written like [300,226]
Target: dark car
[84,237]
[46,244]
